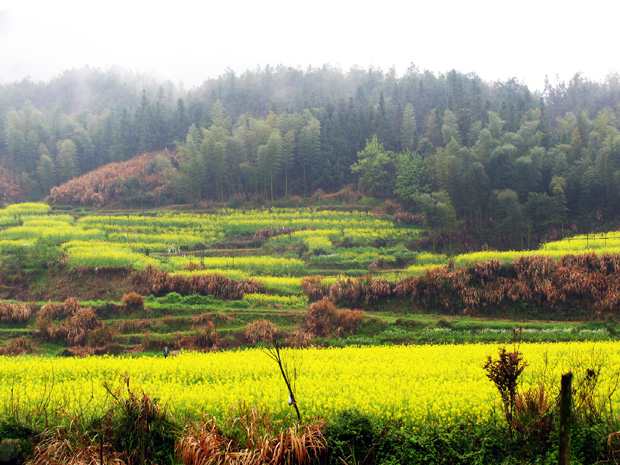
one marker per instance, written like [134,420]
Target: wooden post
[565,418]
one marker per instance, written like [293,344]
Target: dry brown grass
[15,312]
[52,311]
[313,287]
[350,321]
[261,331]
[321,319]
[250,437]
[19,346]
[133,301]
[128,433]
[204,317]
[298,339]
[81,328]
[266,233]
[206,337]
[348,292]
[135,326]
[77,328]
[56,449]
[403,217]
[575,282]
[160,283]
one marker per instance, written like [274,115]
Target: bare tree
[275,354]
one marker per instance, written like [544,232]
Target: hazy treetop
[189,42]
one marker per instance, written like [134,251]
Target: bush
[533,414]
[350,435]
[42,255]
[319,251]
[197,299]
[347,243]
[505,372]
[136,430]
[173,298]
[12,427]
[141,427]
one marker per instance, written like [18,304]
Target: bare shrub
[403,217]
[534,270]
[406,287]
[133,326]
[194,266]
[261,331]
[378,264]
[101,336]
[204,317]
[485,272]
[266,233]
[150,342]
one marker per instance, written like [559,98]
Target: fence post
[565,418]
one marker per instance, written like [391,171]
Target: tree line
[493,159]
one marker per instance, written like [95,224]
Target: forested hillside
[494,161]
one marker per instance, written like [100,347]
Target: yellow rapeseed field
[416,383]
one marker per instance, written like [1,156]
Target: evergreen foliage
[504,155]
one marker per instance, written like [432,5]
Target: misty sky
[190,41]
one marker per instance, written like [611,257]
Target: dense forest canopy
[494,160]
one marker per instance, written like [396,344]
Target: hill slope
[144,177]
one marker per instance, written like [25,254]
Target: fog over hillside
[191,42]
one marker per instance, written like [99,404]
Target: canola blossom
[262,264]
[608,243]
[413,383]
[268,299]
